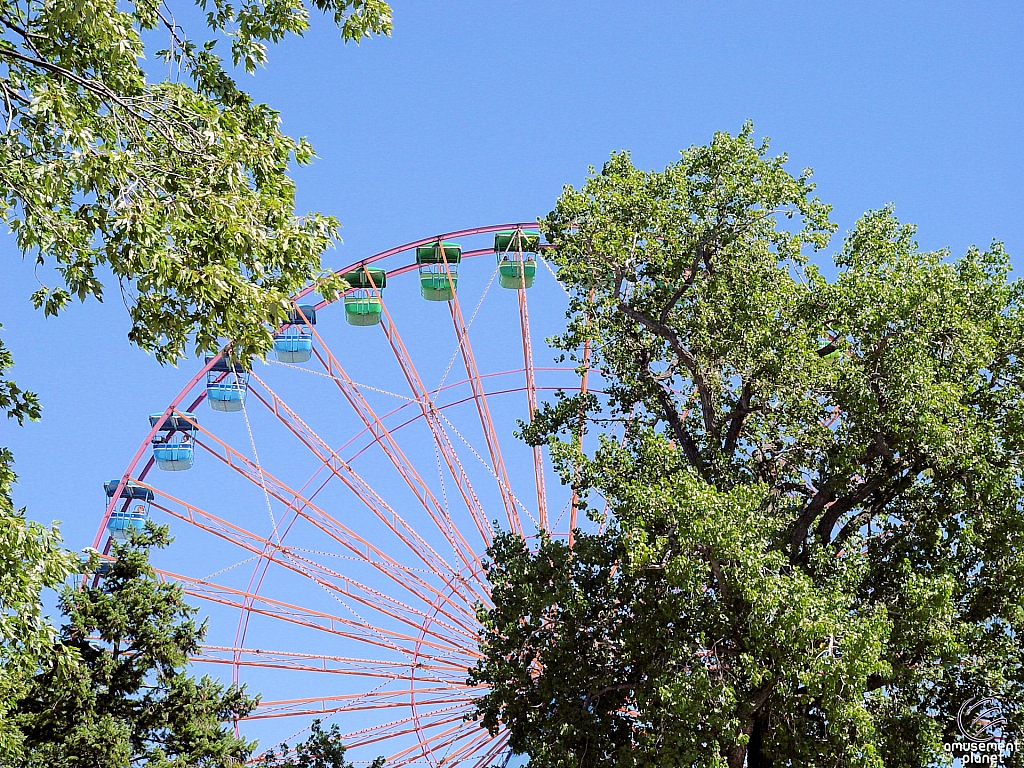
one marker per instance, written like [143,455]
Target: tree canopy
[128,699]
[814,521]
[178,187]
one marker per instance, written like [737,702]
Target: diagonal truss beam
[352,541]
[343,587]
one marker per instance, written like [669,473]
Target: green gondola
[516,251]
[363,303]
[830,352]
[438,265]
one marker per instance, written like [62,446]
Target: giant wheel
[333,526]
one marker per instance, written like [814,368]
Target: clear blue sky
[478,112]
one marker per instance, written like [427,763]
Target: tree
[323,749]
[32,560]
[129,699]
[814,546]
[178,188]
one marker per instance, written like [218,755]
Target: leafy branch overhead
[178,188]
[814,554]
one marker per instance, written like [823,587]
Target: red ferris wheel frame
[437,639]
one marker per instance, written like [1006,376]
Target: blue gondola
[174,444]
[226,385]
[133,513]
[294,342]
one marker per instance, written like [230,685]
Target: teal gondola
[438,265]
[174,443]
[294,342]
[133,513]
[516,251]
[363,302]
[226,385]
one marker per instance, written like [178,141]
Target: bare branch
[737,417]
[687,358]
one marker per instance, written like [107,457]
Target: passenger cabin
[294,342]
[516,251]
[226,384]
[439,270]
[830,352]
[133,514]
[363,302]
[174,443]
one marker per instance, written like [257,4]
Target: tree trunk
[736,756]
[756,757]
[752,754]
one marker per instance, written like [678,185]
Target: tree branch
[96,88]
[737,417]
[818,502]
[847,502]
[873,510]
[664,331]
[682,434]
[691,277]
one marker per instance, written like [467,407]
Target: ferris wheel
[338,500]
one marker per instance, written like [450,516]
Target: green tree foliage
[128,700]
[175,188]
[32,560]
[323,749]
[814,553]
[178,188]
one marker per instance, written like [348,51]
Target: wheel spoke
[430,416]
[501,743]
[334,665]
[365,493]
[349,589]
[387,443]
[531,398]
[318,620]
[484,412]
[438,741]
[356,702]
[352,541]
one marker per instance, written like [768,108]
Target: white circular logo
[980,719]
